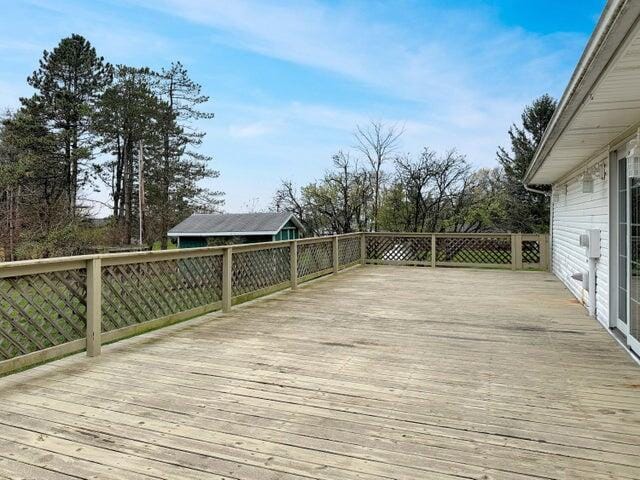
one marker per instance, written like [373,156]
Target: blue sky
[290,80]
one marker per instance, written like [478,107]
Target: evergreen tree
[31,181]
[128,113]
[68,83]
[82,105]
[526,211]
[174,191]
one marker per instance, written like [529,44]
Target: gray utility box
[590,240]
[583,278]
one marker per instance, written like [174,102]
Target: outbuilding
[590,155]
[201,230]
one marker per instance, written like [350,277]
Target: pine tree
[31,183]
[128,113]
[174,190]
[68,83]
[526,211]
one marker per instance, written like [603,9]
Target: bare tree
[334,204]
[377,142]
[350,193]
[414,177]
[434,187]
[288,199]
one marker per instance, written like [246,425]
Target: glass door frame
[632,342]
[619,323]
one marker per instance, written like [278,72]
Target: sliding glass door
[628,229]
[633,264]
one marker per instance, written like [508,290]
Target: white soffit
[610,109]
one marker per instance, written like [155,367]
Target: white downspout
[550,246]
[592,286]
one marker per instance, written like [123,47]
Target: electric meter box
[590,240]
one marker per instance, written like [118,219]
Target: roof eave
[614,24]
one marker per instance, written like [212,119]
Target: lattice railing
[517,251]
[349,250]
[399,249]
[314,257]
[40,311]
[138,292]
[54,307]
[531,251]
[475,250]
[260,269]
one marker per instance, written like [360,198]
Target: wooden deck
[380,372]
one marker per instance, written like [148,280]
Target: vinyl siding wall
[573,213]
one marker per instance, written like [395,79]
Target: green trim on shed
[192,242]
[288,232]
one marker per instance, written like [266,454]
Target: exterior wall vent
[633,157]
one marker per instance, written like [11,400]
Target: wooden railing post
[293,260]
[543,242]
[549,252]
[94,307]
[363,249]
[433,250]
[227,269]
[516,251]
[519,251]
[336,258]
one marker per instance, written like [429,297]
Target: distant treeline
[374,187]
[86,127]
[93,126]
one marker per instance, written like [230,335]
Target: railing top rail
[47,261]
[252,247]
[41,265]
[27,267]
[348,235]
[531,236]
[316,239]
[450,234]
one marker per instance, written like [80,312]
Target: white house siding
[573,213]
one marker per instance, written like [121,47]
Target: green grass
[170,246]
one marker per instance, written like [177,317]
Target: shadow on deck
[380,372]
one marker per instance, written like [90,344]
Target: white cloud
[451,77]
[469,75]
[250,130]
[444,57]
[119,38]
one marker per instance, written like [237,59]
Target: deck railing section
[315,258]
[54,307]
[137,290]
[495,250]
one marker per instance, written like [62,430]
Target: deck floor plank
[378,373]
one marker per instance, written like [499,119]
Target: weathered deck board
[381,372]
